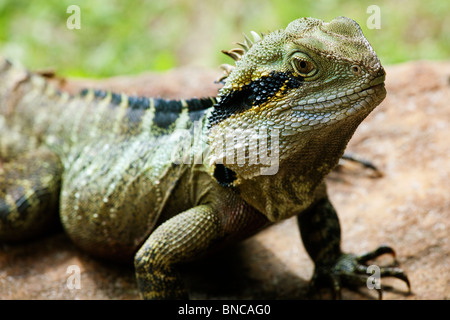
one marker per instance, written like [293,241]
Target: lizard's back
[115,152]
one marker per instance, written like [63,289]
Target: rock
[407,208]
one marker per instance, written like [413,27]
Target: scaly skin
[131,186]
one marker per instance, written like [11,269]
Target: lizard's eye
[356,70]
[303,66]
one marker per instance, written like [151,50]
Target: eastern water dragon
[161,182]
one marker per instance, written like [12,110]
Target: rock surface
[408,207]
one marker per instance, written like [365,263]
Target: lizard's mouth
[375,89]
[376,86]
[378,80]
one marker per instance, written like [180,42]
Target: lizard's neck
[299,179]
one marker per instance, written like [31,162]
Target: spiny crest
[237,53]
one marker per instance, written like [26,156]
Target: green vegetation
[128,37]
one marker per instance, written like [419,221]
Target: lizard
[158,183]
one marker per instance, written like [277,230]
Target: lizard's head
[311,82]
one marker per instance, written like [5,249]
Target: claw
[364,163]
[395,273]
[388,271]
[352,270]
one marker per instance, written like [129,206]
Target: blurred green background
[130,37]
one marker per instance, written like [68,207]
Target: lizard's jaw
[314,113]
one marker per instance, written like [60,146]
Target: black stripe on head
[166,112]
[255,93]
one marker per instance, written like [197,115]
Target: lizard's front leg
[321,235]
[184,237]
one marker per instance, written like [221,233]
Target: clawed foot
[352,270]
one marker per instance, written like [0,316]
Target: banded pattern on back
[164,112]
